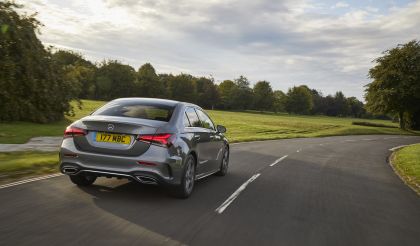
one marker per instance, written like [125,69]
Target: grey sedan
[151,141]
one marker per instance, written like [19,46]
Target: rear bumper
[162,168]
[141,177]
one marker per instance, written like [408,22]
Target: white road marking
[278,160]
[367,139]
[298,150]
[398,147]
[30,180]
[235,194]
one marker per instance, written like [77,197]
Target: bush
[364,123]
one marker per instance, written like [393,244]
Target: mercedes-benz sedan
[151,141]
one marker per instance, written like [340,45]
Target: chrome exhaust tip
[70,170]
[146,180]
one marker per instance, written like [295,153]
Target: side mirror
[221,129]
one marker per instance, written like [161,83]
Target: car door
[215,147]
[201,140]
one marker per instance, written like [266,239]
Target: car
[151,141]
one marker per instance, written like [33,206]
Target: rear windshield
[137,110]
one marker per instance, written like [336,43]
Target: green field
[21,132]
[406,162]
[16,165]
[242,126]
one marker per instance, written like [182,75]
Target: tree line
[112,79]
[38,83]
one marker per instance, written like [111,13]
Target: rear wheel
[224,164]
[82,180]
[186,187]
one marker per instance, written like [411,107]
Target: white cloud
[341,5]
[286,43]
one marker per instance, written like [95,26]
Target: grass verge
[17,165]
[406,162]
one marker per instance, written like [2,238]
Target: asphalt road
[327,191]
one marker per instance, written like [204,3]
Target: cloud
[285,42]
[341,5]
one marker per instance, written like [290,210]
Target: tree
[114,80]
[395,88]
[32,85]
[225,90]
[340,104]
[263,96]
[356,107]
[279,103]
[319,103]
[148,82]
[80,73]
[207,94]
[241,95]
[182,88]
[299,100]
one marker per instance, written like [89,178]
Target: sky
[327,45]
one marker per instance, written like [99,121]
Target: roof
[146,100]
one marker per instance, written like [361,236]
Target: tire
[82,180]
[224,165]
[186,187]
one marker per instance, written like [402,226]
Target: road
[327,191]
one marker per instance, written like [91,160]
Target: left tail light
[162,139]
[74,131]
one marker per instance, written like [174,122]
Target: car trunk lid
[115,135]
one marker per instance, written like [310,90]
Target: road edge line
[25,181]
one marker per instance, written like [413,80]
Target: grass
[242,126]
[21,132]
[16,165]
[249,126]
[406,162]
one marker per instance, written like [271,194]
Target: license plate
[112,138]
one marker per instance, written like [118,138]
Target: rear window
[137,110]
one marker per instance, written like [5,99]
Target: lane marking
[298,150]
[235,194]
[367,139]
[31,180]
[278,160]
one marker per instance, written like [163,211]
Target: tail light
[74,131]
[159,139]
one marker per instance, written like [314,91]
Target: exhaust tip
[146,180]
[70,170]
